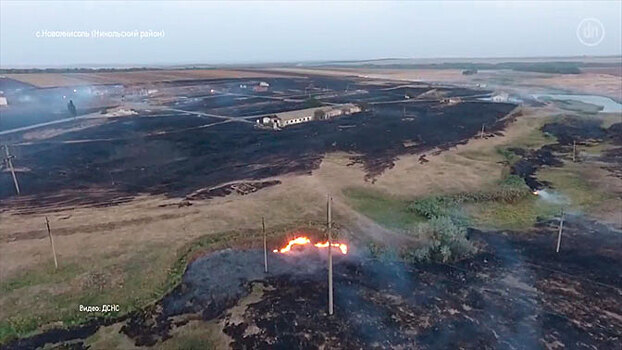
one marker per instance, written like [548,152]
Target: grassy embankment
[504,204]
[132,283]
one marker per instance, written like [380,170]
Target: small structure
[500,97]
[3,101]
[451,100]
[283,119]
[469,71]
[261,87]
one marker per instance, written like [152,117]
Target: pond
[608,104]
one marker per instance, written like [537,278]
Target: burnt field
[29,105]
[571,131]
[517,293]
[176,155]
[195,143]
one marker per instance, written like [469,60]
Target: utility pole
[482,133]
[559,235]
[10,164]
[574,150]
[330,256]
[47,223]
[265,246]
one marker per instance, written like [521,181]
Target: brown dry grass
[584,83]
[46,80]
[430,75]
[589,82]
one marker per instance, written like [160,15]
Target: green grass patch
[42,296]
[511,189]
[517,215]
[131,283]
[571,180]
[389,211]
[535,138]
[45,275]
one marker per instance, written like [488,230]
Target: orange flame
[295,241]
[305,240]
[341,246]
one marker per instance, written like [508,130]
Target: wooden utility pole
[559,235]
[10,164]
[265,246]
[574,150]
[330,256]
[47,223]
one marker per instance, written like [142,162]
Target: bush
[432,207]
[312,102]
[446,242]
[509,157]
[376,250]
[511,189]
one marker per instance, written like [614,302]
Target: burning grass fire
[305,240]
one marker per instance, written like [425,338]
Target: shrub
[509,157]
[446,242]
[312,102]
[511,189]
[432,207]
[376,250]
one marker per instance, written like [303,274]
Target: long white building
[283,119]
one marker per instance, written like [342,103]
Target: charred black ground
[517,293]
[568,132]
[175,152]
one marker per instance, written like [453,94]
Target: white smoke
[552,197]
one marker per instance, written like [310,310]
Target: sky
[259,32]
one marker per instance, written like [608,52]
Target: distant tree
[72,109]
[312,102]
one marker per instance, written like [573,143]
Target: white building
[500,97]
[283,119]
[3,101]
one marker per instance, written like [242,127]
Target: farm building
[500,97]
[451,100]
[281,120]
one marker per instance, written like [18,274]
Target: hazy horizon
[220,33]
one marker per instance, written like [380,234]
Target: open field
[588,82]
[47,80]
[133,199]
